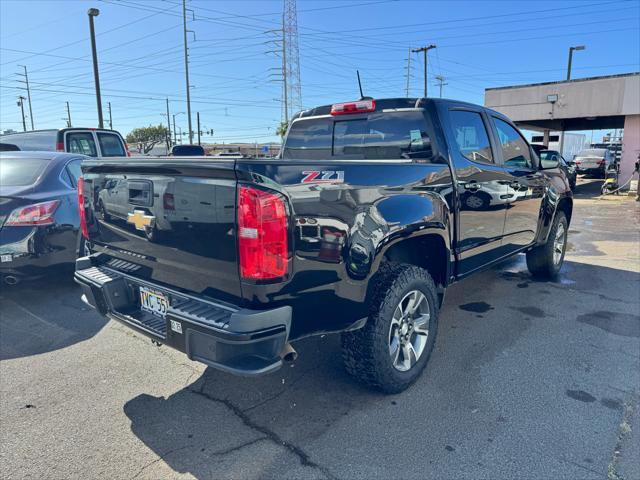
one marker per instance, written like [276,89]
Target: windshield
[21,172]
[593,152]
[380,135]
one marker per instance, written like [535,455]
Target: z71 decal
[336,176]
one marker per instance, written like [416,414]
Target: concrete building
[596,103]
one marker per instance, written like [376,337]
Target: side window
[81,142]
[471,135]
[515,150]
[73,168]
[111,145]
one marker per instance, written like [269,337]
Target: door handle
[472,186]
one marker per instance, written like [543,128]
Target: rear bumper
[238,341]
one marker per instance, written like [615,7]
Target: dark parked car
[187,151]
[39,218]
[92,142]
[358,228]
[568,167]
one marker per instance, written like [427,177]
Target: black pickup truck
[372,209]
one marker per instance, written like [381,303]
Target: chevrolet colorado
[372,209]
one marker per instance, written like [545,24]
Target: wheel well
[566,206]
[428,252]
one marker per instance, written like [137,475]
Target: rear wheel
[546,260]
[392,349]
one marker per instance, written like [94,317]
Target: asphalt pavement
[528,380]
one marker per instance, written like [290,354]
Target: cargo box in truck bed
[229,260]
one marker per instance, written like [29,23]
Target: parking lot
[528,380]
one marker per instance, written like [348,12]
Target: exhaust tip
[288,353]
[11,280]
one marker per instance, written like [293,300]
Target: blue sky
[480,44]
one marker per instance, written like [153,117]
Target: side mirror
[549,164]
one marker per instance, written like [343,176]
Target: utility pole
[441,83]
[186,67]
[168,127]
[198,121]
[94,12]
[408,71]
[424,50]
[68,116]
[21,100]
[26,81]
[175,139]
[110,120]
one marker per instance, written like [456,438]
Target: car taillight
[36,214]
[168,201]
[361,106]
[81,209]
[262,234]
[126,149]
[59,146]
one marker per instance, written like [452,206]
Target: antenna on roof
[359,84]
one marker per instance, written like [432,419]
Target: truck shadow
[43,315]
[220,426]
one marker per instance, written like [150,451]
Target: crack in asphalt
[302,456]
[273,397]
[624,430]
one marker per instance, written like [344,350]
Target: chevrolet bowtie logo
[140,219]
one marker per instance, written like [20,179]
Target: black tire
[366,352]
[540,260]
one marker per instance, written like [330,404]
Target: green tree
[147,137]
[282,129]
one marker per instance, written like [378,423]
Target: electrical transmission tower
[292,58]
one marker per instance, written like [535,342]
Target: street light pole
[175,138]
[110,119]
[94,12]
[571,50]
[68,116]
[424,50]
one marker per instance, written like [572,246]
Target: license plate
[153,302]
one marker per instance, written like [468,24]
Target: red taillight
[168,201]
[59,146]
[361,106]
[262,234]
[126,149]
[81,209]
[36,214]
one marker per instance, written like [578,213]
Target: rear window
[378,136]
[187,151]
[593,152]
[32,141]
[111,145]
[21,172]
[82,143]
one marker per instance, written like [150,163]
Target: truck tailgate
[170,221]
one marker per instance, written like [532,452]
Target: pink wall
[630,146]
